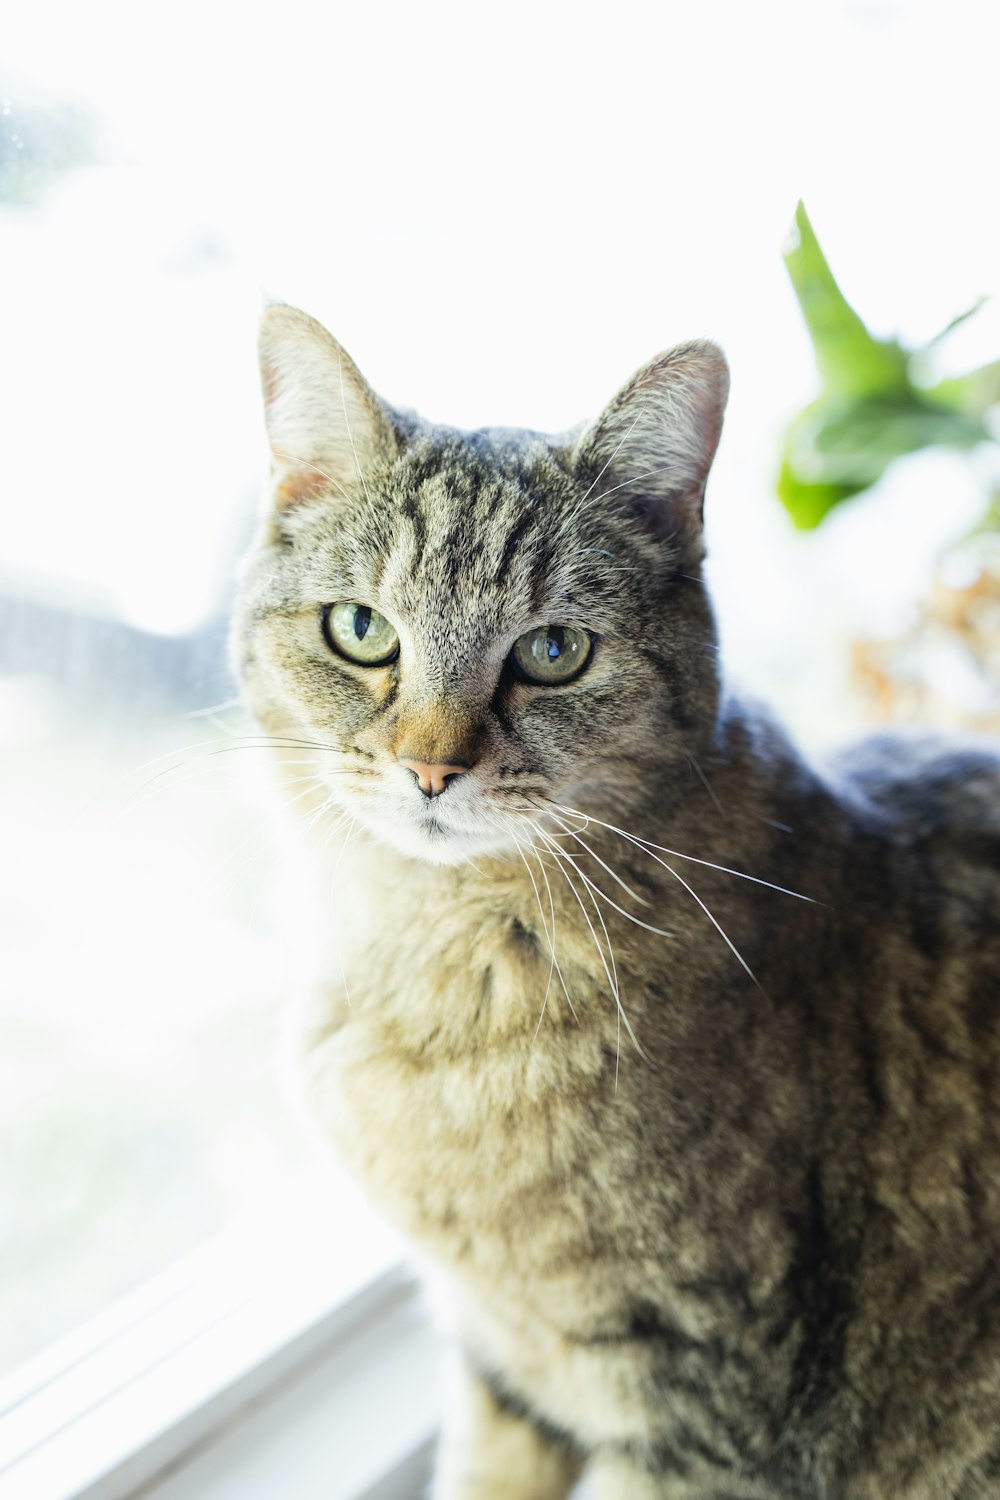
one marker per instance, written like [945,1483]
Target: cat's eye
[552,654]
[360,633]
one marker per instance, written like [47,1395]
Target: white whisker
[552,913]
[629,916]
[220,884]
[204,713]
[562,858]
[641,412]
[550,939]
[661,469]
[604,866]
[648,849]
[614,969]
[648,845]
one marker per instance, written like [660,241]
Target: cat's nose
[433,779]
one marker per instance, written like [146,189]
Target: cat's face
[478,628]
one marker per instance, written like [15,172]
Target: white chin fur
[438,845]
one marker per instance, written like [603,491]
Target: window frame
[208,1343]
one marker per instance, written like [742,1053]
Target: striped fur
[709,1173]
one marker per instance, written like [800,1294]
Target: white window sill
[290,1357]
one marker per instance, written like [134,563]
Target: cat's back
[938,799]
[932,784]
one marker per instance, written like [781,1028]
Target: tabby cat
[678,1058]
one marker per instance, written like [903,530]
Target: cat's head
[478,626]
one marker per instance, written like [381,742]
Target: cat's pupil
[554,644]
[362,620]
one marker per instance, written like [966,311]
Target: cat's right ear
[650,451]
[326,427]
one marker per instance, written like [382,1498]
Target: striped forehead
[469,550]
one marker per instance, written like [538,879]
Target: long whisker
[641,412]
[212,747]
[612,978]
[562,859]
[548,938]
[648,845]
[316,775]
[604,866]
[694,894]
[552,917]
[713,919]
[619,1008]
[552,913]
[277,745]
[199,767]
[629,916]
[661,469]
[215,708]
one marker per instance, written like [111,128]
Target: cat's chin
[438,844]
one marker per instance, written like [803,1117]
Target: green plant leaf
[838,447]
[809,503]
[851,361]
[871,411]
[973,393]
[865,436]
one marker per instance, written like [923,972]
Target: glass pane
[467,218]
[137,1074]
[139,971]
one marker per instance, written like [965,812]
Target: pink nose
[433,779]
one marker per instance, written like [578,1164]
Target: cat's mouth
[434,824]
[427,828]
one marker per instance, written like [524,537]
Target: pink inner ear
[300,484]
[299,480]
[325,426]
[269,384]
[655,443]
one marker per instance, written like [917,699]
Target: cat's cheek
[559,726]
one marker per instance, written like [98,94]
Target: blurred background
[501,212]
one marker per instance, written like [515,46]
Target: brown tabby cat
[678,1057]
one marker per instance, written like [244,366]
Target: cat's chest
[460,1087]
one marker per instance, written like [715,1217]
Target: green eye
[553,654]
[360,633]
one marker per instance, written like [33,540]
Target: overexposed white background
[500,211]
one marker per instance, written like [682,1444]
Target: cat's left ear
[326,426]
[650,450]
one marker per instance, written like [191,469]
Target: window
[294,1340]
[501,223]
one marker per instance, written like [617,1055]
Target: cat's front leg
[491,1450]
